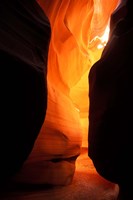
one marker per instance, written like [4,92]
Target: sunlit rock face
[77,28]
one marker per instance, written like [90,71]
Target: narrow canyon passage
[80,31]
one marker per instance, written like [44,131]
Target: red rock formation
[77,27]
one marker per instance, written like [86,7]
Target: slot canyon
[80,30]
[79,33]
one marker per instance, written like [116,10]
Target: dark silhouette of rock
[111,104]
[24,42]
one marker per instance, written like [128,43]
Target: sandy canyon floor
[86,185]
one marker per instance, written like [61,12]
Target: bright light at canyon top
[104,38]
